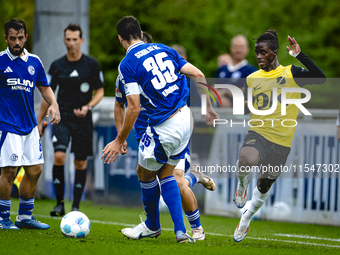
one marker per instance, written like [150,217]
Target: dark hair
[129,28]
[270,36]
[16,24]
[147,38]
[74,27]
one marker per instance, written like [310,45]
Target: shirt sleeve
[120,94]
[41,77]
[97,76]
[53,76]
[311,75]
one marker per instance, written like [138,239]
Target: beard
[16,51]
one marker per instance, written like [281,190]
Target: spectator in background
[237,69]
[223,60]
[194,97]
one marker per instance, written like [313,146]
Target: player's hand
[81,113]
[295,46]
[210,117]
[124,148]
[54,110]
[111,151]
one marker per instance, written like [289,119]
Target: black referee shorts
[272,155]
[80,129]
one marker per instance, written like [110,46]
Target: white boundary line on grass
[309,237]
[217,234]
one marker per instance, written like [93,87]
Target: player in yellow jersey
[268,142]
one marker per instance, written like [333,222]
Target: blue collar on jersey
[12,57]
[134,46]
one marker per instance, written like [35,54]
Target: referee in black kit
[77,76]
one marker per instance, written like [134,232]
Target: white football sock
[256,202]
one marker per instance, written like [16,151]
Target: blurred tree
[17,9]
[205,27]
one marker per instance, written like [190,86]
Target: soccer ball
[75,224]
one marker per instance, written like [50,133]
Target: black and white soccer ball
[75,224]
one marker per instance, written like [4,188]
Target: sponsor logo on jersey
[31,70]
[8,70]
[17,84]
[74,74]
[14,157]
[17,81]
[84,87]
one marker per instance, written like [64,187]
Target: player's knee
[59,158]
[248,160]
[80,164]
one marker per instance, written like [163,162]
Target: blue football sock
[150,197]
[26,208]
[194,218]
[191,178]
[5,207]
[172,198]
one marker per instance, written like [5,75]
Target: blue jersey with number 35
[155,68]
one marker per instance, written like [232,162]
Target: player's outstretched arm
[112,149]
[312,74]
[199,78]
[50,99]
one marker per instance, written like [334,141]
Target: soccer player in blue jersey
[151,77]
[20,73]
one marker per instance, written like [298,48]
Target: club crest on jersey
[84,87]
[31,70]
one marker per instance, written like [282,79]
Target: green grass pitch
[264,237]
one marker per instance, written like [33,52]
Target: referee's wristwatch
[90,107]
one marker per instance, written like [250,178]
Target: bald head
[239,48]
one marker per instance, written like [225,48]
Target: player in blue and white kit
[151,77]
[185,180]
[20,73]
